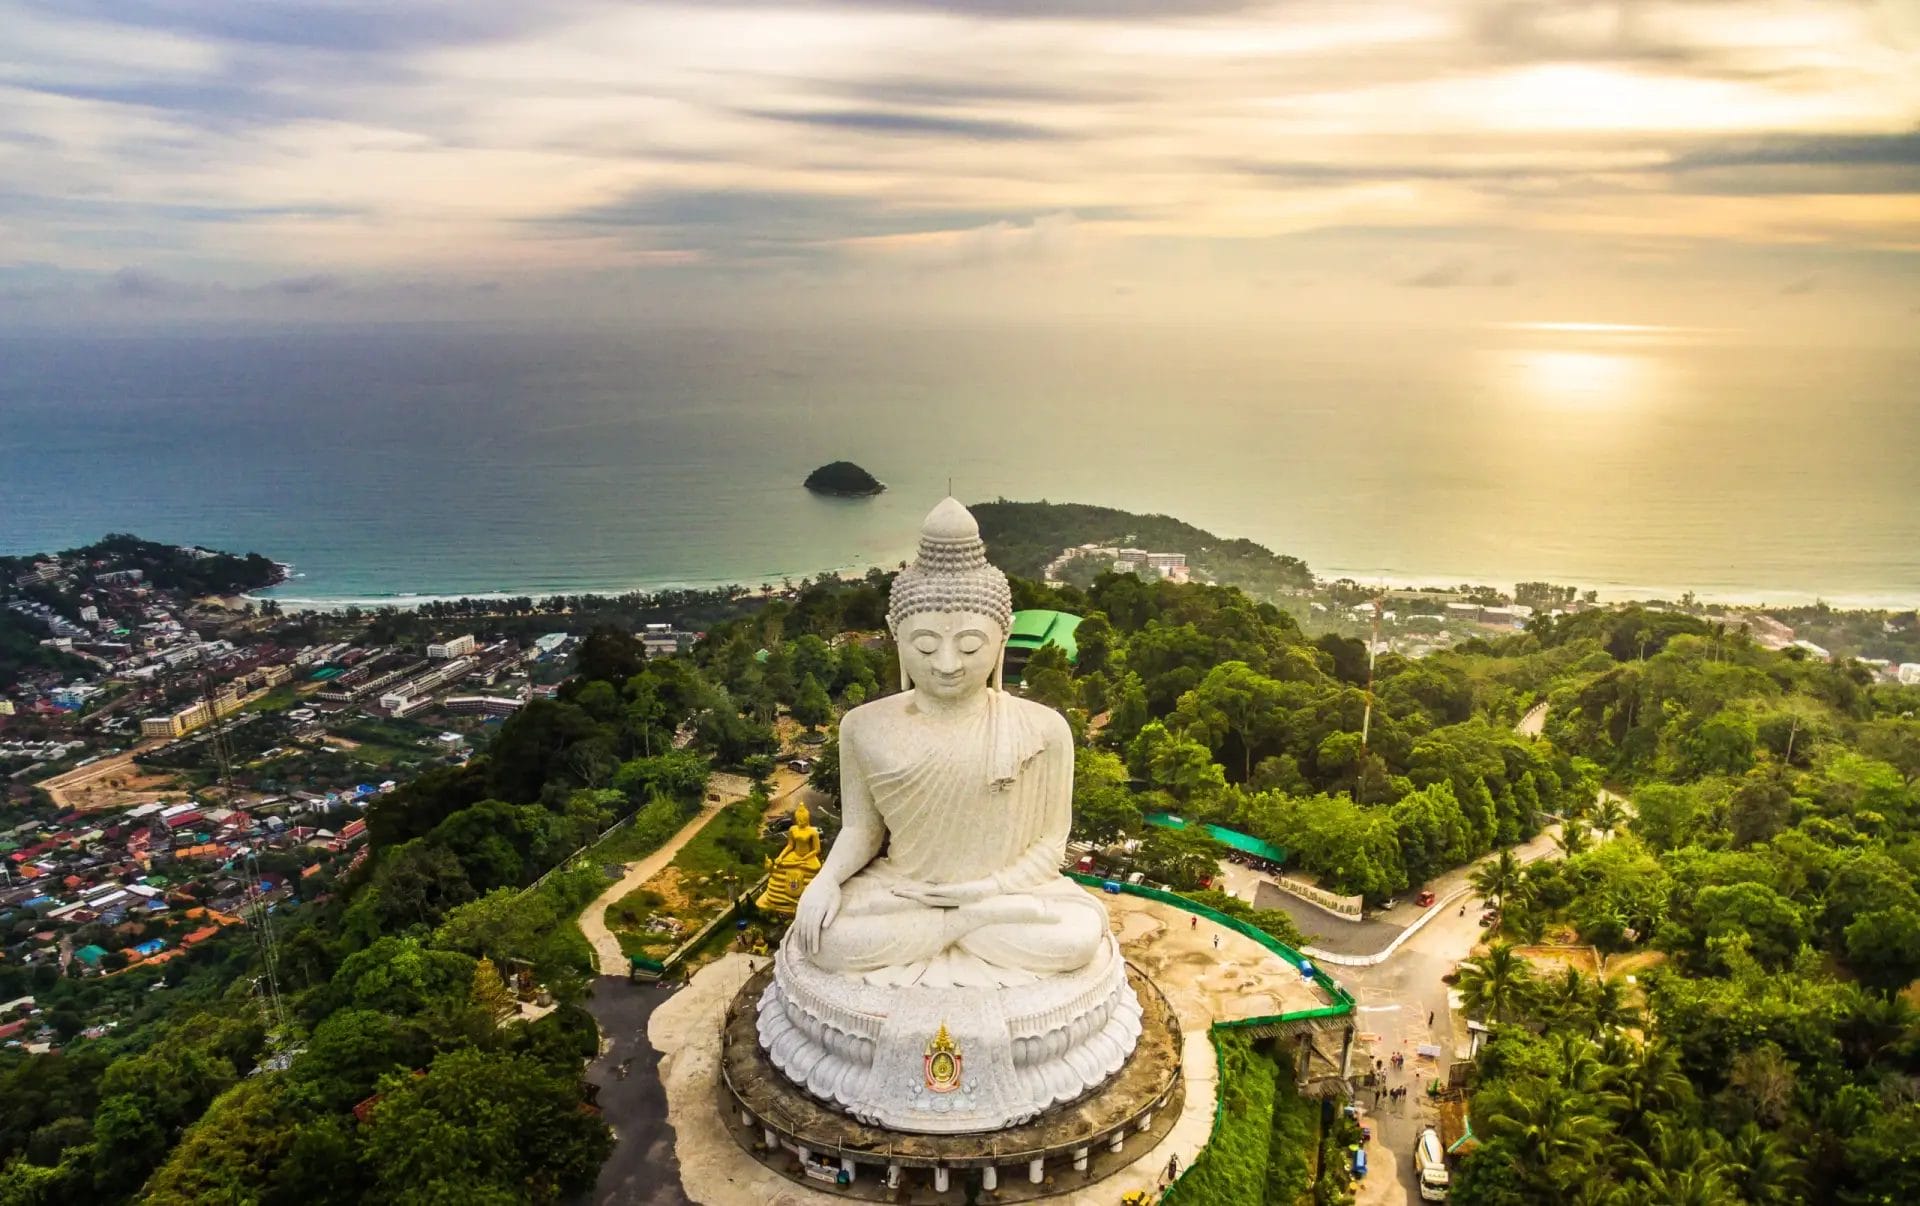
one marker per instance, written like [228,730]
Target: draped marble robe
[985,796]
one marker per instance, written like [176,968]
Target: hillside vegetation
[1022,537]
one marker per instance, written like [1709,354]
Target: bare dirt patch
[115,782]
[1549,959]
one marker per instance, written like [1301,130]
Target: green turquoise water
[396,462]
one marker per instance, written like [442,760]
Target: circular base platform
[1065,1148]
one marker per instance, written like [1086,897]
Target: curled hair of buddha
[950,572]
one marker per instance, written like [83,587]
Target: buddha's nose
[946,660]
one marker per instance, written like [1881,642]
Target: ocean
[405,462]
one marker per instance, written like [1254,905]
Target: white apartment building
[458,646]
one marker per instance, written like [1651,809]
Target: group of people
[1380,1090]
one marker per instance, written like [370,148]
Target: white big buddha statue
[941,974]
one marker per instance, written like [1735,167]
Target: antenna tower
[260,921]
[217,737]
[1373,645]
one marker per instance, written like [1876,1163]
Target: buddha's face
[950,654]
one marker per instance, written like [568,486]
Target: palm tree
[1764,1170]
[1581,1067]
[1552,1131]
[1651,1082]
[1564,997]
[1611,1009]
[1572,838]
[1681,1169]
[1496,985]
[1610,815]
[1497,878]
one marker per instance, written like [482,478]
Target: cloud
[880,121]
[1455,274]
[342,25]
[304,286]
[140,285]
[1047,10]
[1806,284]
[747,223]
[301,149]
[1817,163]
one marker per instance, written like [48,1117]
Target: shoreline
[1738,598]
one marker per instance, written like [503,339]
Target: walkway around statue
[1214,971]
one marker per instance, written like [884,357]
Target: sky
[1750,164]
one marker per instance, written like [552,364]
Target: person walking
[1216,942]
[1429,1017]
[1173,1167]
[1193,923]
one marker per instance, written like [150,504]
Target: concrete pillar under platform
[1146,1122]
[1036,1170]
[1119,1139]
[893,1176]
[768,1138]
[746,1119]
[989,1177]
[1080,1158]
[847,1167]
[940,1179]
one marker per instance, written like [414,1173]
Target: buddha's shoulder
[1048,722]
[873,715]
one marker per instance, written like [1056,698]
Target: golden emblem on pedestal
[943,1062]
[790,871]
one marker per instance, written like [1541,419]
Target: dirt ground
[113,783]
[1550,960]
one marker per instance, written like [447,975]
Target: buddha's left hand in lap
[949,896]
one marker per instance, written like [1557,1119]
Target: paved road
[1395,1000]
[643,1170]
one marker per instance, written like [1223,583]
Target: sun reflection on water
[1579,380]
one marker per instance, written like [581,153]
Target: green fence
[1342,999]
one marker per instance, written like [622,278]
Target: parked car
[1424,900]
[1359,1162]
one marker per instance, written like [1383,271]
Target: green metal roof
[1245,843]
[1032,629]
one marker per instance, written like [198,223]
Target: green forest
[163,566]
[1760,852]
[1022,537]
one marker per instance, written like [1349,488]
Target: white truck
[1430,1161]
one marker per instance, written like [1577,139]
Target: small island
[844,479]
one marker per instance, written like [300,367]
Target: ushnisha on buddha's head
[950,611]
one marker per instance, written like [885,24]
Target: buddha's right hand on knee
[819,905]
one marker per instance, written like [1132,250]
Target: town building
[661,640]
[189,718]
[446,650]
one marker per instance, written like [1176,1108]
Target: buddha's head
[950,611]
[801,817]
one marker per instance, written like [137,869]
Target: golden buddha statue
[790,871]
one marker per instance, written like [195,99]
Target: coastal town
[175,767]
